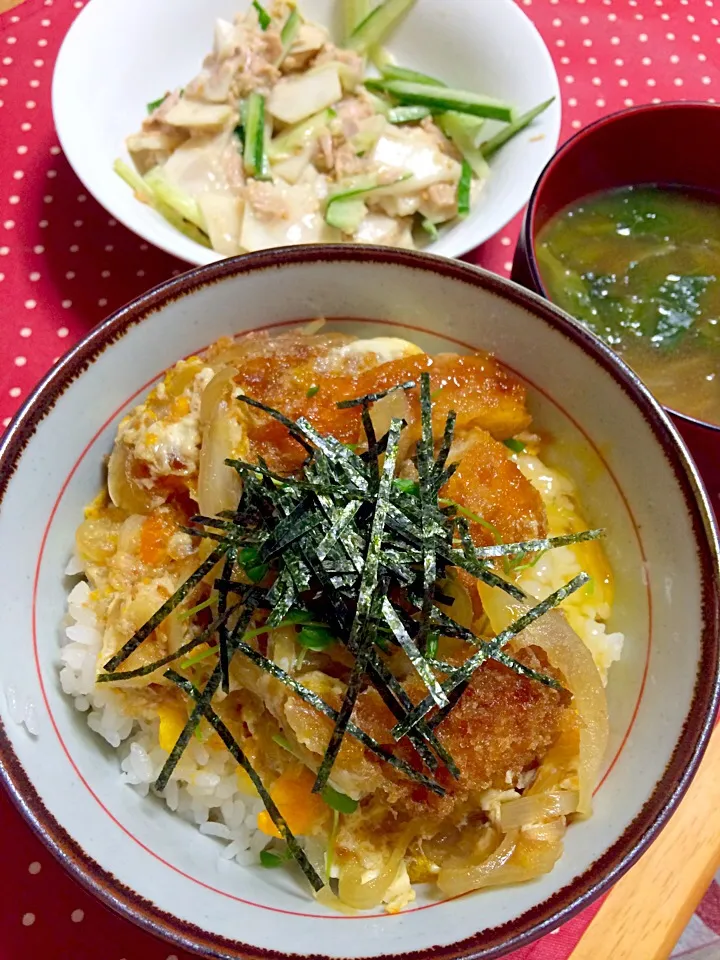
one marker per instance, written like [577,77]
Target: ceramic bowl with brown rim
[607,433]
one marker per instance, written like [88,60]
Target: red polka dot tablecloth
[65,264]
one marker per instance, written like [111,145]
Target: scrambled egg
[168,443]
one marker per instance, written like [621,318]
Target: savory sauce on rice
[477,790]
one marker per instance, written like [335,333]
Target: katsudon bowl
[600,432]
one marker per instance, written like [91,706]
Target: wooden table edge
[645,913]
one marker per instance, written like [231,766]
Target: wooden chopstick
[647,910]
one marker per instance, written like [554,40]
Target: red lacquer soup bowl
[666,143]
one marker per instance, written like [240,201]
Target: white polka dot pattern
[66,264]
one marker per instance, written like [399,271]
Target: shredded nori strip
[237,753]
[533,546]
[222,629]
[413,654]
[149,668]
[208,693]
[465,672]
[196,715]
[292,427]
[167,608]
[374,397]
[353,730]
[439,473]
[359,631]
[348,546]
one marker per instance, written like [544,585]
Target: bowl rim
[691,743]
[167,244]
[528,225]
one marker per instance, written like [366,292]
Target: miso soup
[640,266]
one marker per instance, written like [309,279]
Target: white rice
[21,710]
[203,788]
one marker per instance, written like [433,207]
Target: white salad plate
[121,54]
[609,435]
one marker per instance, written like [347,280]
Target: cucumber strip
[444,98]
[354,12]
[145,195]
[378,24]
[183,203]
[463,191]
[430,228]
[133,179]
[379,104]
[393,72]
[365,189]
[464,131]
[254,156]
[264,18]
[490,147]
[381,58]
[288,34]
[408,114]
[346,215]
[292,141]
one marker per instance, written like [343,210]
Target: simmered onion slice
[567,653]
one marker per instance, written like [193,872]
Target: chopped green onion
[490,147]
[167,608]
[431,647]
[264,18]
[475,517]
[249,560]
[378,24]
[154,104]
[517,446]
[313,391]
[444,98]
[272,860]
[315,638]
[298,616]
[405,485]
[185,614]
[464,190]
[254,156]
[330,855]
[409,114]
[339,801]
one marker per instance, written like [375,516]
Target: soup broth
[640,266]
